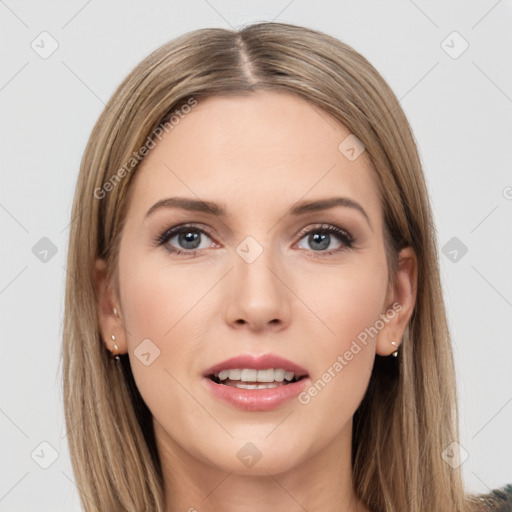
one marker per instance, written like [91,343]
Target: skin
[258,155]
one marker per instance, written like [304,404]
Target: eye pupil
[189,237]
[320,238]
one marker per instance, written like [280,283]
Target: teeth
[279,375]
[250,375]
[244,385]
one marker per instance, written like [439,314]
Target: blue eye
[320,238]
[187,240]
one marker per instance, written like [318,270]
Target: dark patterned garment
[499,500]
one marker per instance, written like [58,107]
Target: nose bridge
[258,296]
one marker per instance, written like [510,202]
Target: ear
[400,301]
[110,323]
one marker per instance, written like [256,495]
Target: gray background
[459,106]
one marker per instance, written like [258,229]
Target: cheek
[359,298]
[163,305]
[160,304]
[349,301]
[159,300]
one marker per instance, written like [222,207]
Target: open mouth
[255,379]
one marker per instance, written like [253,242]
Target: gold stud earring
[395,353]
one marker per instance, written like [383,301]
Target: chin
[253,456]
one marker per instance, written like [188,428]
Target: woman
[254,317]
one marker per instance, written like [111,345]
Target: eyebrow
[219,209]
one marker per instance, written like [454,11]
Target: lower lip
[256,399]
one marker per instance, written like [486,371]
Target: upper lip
[261,362]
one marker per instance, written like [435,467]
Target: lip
[262,362]
[256,399]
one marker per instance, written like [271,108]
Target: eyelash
[343,236]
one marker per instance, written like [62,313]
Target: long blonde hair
[408,416]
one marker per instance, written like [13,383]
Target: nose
[258,298]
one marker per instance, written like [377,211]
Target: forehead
[266,149]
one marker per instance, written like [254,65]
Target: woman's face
[268,276]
